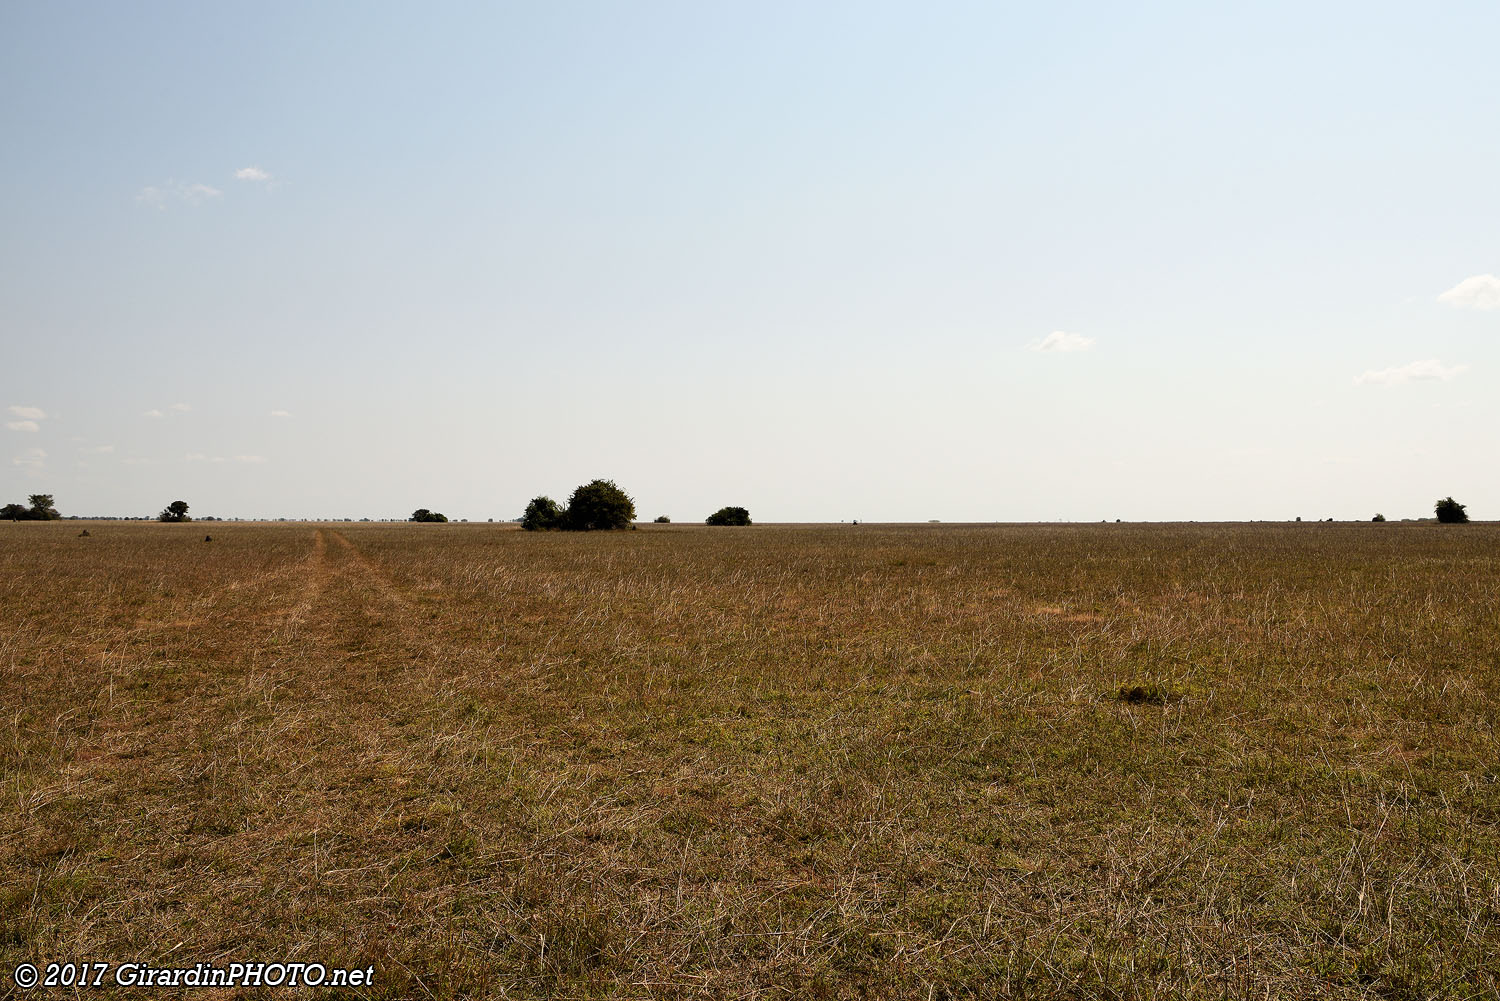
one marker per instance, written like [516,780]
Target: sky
[894,262]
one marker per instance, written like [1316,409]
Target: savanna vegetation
[599,505]
[934,761]
[1451,512]
[729,516]
[38,507]
[177,511]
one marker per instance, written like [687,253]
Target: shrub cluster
[422,514]
[40,509]
[175,511]
[598,505]
[1451,512]
[729,516]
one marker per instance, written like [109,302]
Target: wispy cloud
[1430,370]
[97,449]
[205,457]
[176,408]
[251,174]
[159,196]
[1061,340]
[32,458]
[281,413]
[1476,292]
[28,417]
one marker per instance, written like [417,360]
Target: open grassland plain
[1112,761]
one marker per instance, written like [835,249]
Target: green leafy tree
[729,516]
[1378,517]
[1451,512]
[542,515]
[422,514]
[175,511]
[598,505]
[662,519]
[41,508]
[14,512]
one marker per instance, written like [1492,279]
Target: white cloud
[1430,370]
[1061,340]
[98,450]
[251,174]
[158,196]
[1476,292]
[27,413]
[181,408]
[153,413]
[280,413]
[23,425]
[205,457]
[32,457]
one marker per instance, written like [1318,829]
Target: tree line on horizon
[594,506]
[600,505]
[40,509]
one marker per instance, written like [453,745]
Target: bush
[542,515]
[422,514]
[662,519]
[41,509]
[599,505]
[1451,512]
[1378,517]
[175,511]
[729,516]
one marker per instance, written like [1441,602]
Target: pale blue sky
[793,257]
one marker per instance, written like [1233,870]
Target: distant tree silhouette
[662,519]
[422,514]
[175,511]
[1378,517]
[542,515]
[1451,512]
[41,508]
[598,505]
[731,516]
[14,512]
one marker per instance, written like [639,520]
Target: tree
[1451,512]
[542,515]
[422,514]
[175,511]
[598,505]
[729,516]
[41,508]
[14,512]
[1378,517]
[662,519]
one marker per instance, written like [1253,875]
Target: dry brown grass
[765,762]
